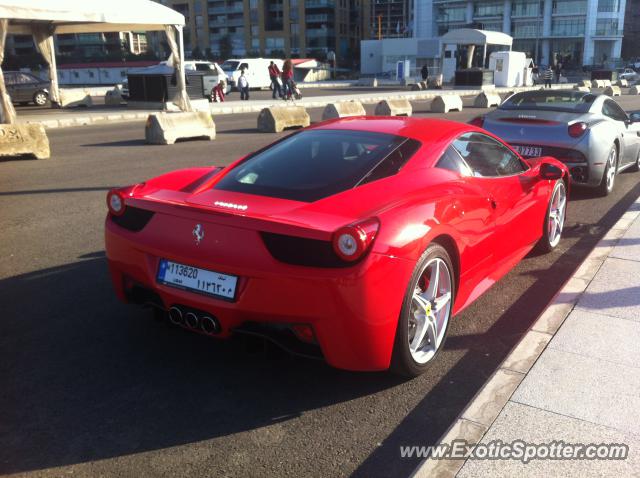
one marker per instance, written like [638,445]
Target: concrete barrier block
[598,83]
[416,87]
[343,109]
[487,100]
[166,128]
[634,90]
[70,98]
[424,85]
[582,88]
[586,83]
[446,103]
[563,79]
[276,118]
[400,107]
[435,81]
[606,83]
[19,139]
[622,83]
[113,97]
[612,91]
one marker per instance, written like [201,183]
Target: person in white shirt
[243,86]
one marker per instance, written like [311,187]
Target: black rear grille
[134,219]
[301,251]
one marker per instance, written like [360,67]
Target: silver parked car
[590,133]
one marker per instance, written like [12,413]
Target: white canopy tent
[471,37]
[45,18]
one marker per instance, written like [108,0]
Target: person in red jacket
[287,78]
[274,74]
[217,92]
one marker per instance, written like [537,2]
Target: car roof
[421,129]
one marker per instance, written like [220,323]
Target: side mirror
[550,171]
[634,117]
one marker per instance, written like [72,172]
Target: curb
[480,413]
[90,118]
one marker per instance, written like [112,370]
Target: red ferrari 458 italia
[355,240]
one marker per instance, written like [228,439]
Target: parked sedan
[590,133]
[355,240]
[25,88]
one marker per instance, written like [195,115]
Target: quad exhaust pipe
[194,320]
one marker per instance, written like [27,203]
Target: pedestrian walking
[243,86]
[547,76]
[217,92]
[274,75]
[424,72]
[558,71]
[287,78]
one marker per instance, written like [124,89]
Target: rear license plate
[197,280]
[528,151]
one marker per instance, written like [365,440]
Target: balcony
[320,32]
[608,32]
[319,3]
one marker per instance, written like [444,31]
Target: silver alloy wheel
[611,169]
[430,310]
[557,210]
[40,99]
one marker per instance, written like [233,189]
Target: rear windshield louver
[301,251]
[528,121]
[134,219]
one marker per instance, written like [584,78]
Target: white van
[212,74]
[255,69]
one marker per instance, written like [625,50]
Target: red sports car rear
[354,240]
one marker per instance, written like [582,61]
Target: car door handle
[493,202]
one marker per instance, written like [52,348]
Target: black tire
[605,188]
[402,362]
[636,165]
[545,244]
[40,98]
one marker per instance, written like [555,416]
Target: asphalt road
[93,387]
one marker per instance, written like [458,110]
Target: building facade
[83,45]
[391,19]
[574,32]
[631,39]
[284,28]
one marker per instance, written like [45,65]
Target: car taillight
[477,121]
[351,242]
[115,202]
[577,129]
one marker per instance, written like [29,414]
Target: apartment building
[297,28]
[391,18]
[631,39]
[575,32]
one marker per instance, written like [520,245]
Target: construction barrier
[343,109]
[394,108]
[622,83]
[19,139]
[446,103]
[74,97]
[486,100]
[634,90]
[166,128]
[598,84]
[612,91]
[582,88]
[276,118]
[586,83]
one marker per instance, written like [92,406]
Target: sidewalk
[574,377]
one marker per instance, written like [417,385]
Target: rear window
[230,65]
[315,164]
[564,101]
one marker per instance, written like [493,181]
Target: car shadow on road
[85,377]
